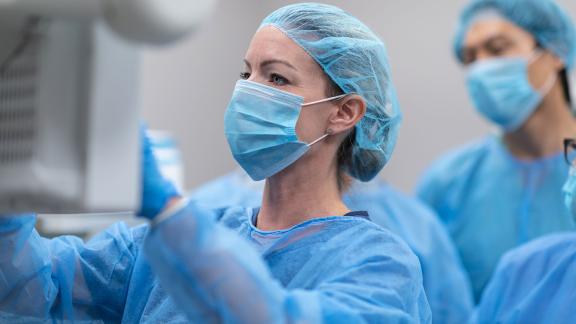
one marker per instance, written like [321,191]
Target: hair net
[356,60]
[544,19]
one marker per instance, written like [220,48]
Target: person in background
[316,101]
[445,281]
[536,283]
[505,190]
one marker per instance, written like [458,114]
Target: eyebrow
[272,61]
[498,37]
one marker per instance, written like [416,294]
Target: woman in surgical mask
[505,189]
[536,283]
[315,104]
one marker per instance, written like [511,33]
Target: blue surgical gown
[492,202]
[535,283]
[211,266]
[445,280]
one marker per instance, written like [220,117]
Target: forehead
[484,29]
[271,43]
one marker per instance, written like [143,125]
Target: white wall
[186,88]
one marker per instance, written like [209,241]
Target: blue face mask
[570,192]
[260,126]
[502,93]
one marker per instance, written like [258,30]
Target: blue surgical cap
[356,60]
[544,19]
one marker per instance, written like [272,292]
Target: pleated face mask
[502,93]
[260,127]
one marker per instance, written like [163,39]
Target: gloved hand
[157,192]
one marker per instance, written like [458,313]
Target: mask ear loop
[318,139]
[325,100]
[549,84]
[547,87]
[536,55]
[328,131]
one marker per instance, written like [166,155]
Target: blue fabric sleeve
[431,185]
[446,282]
[63,279]
[533,283]
[213,274]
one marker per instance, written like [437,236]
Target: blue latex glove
[156,190]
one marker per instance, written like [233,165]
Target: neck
[543,133]
[298,194]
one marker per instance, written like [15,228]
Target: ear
[350,110]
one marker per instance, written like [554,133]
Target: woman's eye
[468,59]
[244,75]
[498,49]
[278,80]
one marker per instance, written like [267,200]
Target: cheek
[311,123]
[304,126]
[539,72]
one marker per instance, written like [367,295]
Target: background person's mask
[501,91]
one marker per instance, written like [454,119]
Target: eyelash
[283,80]
[274,75]
[497,49]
